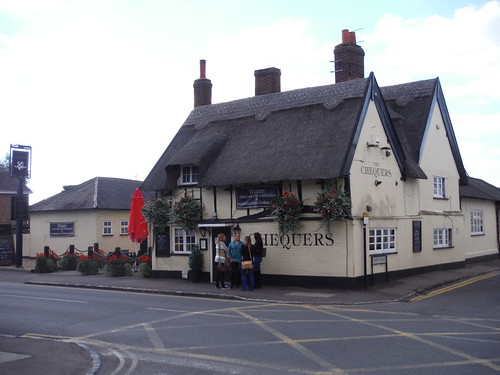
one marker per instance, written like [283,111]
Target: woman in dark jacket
[258,250]
[247,281]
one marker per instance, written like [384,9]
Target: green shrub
[88,266]
[118,266]
[45,264]
[68,262]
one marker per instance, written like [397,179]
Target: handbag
[247,264]
[222,267]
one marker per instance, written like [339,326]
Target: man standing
[235,257]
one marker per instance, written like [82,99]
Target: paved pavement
[21,355]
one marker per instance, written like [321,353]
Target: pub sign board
[66,229]
[20,161]
[256,196]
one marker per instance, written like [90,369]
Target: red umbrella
[137,225]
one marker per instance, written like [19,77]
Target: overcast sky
[99,88]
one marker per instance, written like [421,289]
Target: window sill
[441,198]
[382,253]
[477,234]
[180,254]
[442,247]
[107,235]
[187,184]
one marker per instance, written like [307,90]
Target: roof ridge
[96,193]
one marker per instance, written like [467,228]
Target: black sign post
[20,167]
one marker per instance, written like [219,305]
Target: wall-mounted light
[203,231]
[377,182]
[237,229]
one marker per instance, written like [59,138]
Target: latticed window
[183,240]
[124,227]
[382,240]
[476,222]
[439,187]
[189,175]
[107,228]
[442,237]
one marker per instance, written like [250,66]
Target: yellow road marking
[453,287]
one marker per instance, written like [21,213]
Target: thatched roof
[309,133]
[98,193]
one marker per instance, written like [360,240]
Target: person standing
[247,280]
[221,260]
[235,258]
[258,252]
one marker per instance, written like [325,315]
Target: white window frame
[183,241]
[477,222]
[439,187]
[107,228]
[442,238]
[124,227]
[189,175]
[382,240]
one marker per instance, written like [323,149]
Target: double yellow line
[453,286]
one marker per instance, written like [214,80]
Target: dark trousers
[235,275]
[219,279]
[256,272]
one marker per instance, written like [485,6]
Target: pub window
[123,227]
[442,238]
[439,187]
[189,175]
[476,222]
[107,228]
[183,240]
[382,240]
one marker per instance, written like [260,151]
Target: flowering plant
[145,266]
[46,263]
[118,265]
[285,210]
[332,204]
[156,212]
[186,213]
[89,265]
[144,259]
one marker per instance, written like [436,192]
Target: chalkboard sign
[6,250]
[162,245]
[417,236]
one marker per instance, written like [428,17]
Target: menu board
[6,250]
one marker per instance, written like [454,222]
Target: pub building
[392,150]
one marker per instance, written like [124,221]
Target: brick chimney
[349,58]
[267,81]
[202,88]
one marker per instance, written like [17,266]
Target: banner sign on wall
[255,197]
[62,229]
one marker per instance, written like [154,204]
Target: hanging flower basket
[332,205]
[186,213]
[285,210]
[157,213]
